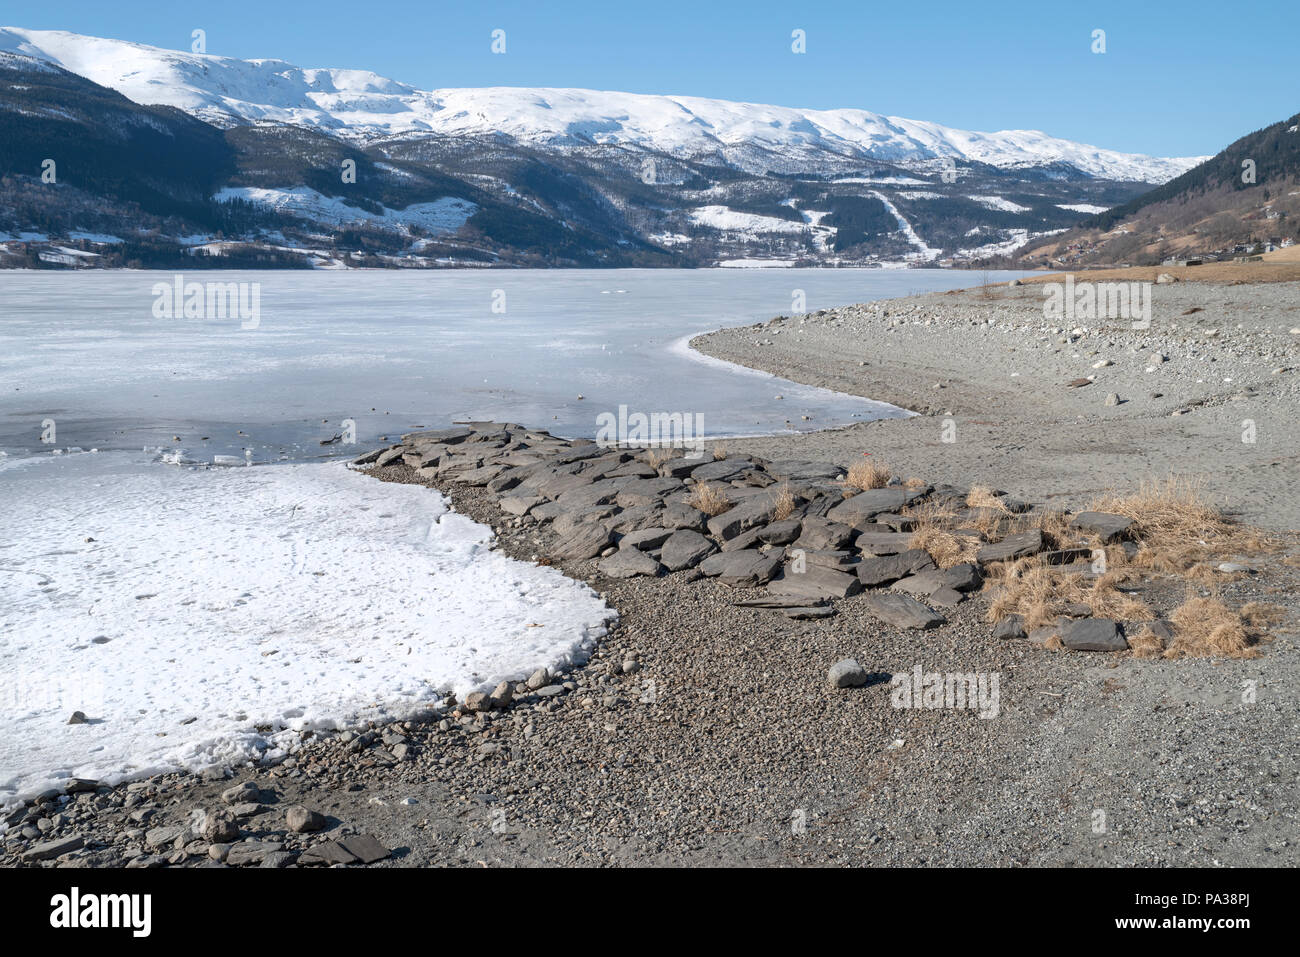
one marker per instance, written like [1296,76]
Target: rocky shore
[781,598]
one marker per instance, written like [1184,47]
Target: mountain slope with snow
[364,106]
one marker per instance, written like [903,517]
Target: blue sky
[1176,79]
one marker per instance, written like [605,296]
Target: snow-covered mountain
[363,107]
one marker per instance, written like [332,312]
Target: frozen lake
[396,351]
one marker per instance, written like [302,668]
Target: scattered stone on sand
[847,674]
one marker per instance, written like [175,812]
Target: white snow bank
[181,610]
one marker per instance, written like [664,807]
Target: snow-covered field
[205,616]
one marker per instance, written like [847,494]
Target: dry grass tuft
[708,498]
[719,453]
[1258,614]
[945,547]
[1146,644]
[981,496]
[1175,510]
[867,474]
[915,482]
[1205,627]
[657,457]
[784,502]
[1041,593]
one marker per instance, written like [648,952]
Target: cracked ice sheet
[214,602]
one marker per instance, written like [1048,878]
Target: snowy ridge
[364,105]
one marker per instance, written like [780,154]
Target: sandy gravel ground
[986,368]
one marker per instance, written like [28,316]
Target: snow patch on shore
[205,617]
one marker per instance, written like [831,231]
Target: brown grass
[1041,593]
[657,457]
[1173,510]
[784,502]
[946,548]
[981,496]
[708,498]
[867,474]
[719,453]
[1181,534]
[1205,627]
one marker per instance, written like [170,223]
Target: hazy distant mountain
[560,177]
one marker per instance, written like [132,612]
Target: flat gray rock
[903,611]
[1093,634]
[809,612]
[861,508]
[740,518]
[1019,545]
[585,541]
[519,504]
[740,569]
[816,581]
[723,470]
[1012,626]
[251,852]
[628,563]
[781,533]
[444,436]
[646,538]
[48,850]
[635,519]
[883,543]
[778,602]
[685,548]
[1107,526]
[389,456]
[817,534]
[961,577]
[799,470]
[873,572]
[681,515]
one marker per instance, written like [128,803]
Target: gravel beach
[706,732]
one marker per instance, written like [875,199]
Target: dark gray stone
[1105,525]
[847,674]
[685,548]
[48,850]
[861,508]
[902,611]
[645,538]
[740,518]
[817,534]
[873,572]
[1019,545]
[1012,626]
[679,515]
[1093,634]
[740,569]
[302,819]
[628,563]
[815,581]
[586,541]
[872,542]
